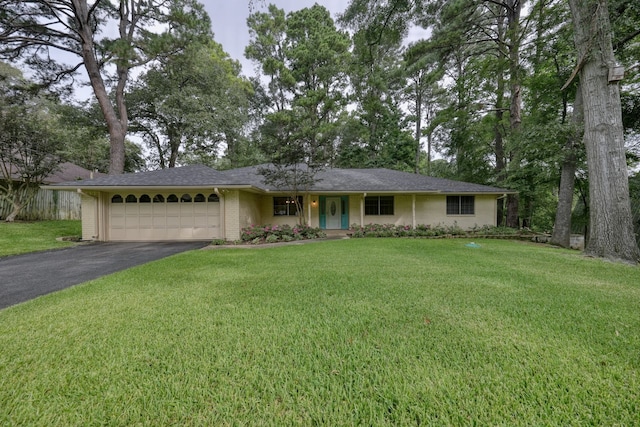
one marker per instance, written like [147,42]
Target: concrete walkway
[24,277]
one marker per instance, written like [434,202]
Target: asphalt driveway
[23,277]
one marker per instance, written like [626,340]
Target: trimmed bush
[279,233]
[421,230]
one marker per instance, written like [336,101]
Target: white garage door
[164,216]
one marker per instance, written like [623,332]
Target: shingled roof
[65,172]
[328,180]
[187,176]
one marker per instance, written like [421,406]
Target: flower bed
[257,234]
[392,230]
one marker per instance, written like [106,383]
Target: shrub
[271,238]
[422,230]
[273,233]
[218,242]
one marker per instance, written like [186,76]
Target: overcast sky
[229,21]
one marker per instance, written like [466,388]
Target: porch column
[362,209]
[223,234]
[413,210]
[309,211]
[102,215]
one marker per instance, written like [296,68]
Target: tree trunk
[611,226]
[561,235]
[499,151]
[514,8]
[175,140]
[117,129]
[499,147]
[418,123]
[18,198]
[429,143]
[17,207]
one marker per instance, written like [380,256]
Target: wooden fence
[47,204]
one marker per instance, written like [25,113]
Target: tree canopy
[491,93]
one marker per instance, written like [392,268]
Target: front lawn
[22,237]
[349,332]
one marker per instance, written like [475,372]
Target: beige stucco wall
[242,209]
[89,217]
[267,216]
[231,214]
[433,211]
[249,209]
[429,210]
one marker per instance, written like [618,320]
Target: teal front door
[334,212]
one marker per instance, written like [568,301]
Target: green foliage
[30,140]
[304,56]
[86,139]
[625,16]
[422,230]
[379,134]
[630,110]
[389,332]
[24,237]
[257,234]
[634,192]
[189,104]
[37,31]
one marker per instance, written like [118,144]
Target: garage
[138,216]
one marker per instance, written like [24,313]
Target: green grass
[355,332]
[22,237]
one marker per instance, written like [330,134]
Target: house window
[213,198]
[117,199]
[131,199]
[158,198]
[172,198]
[378,205]
[186,198]
[199,198]
[145,198]
[285,206]
[461,205]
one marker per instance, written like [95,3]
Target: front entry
[334,212]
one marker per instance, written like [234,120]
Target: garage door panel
[132,222]
[173,222]
[159,209]
[117,221]
[201,221]
[161,220]
[146,221]
[186,221]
